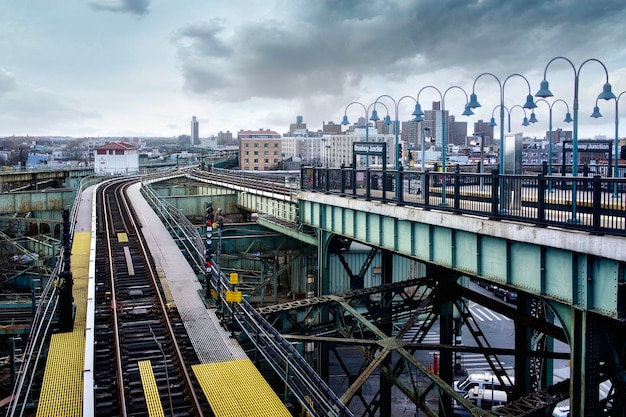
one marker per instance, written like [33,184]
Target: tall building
[259,150]
[457,132]
[559,135]
[224,138]
[485,130]
[331,128]
[409,133]
[195,137]
[299,125]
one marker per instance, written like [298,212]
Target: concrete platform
[211,342]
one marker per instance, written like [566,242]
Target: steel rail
[162,305]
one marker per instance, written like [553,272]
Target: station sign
[369,148]
[588,146]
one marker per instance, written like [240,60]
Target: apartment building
[259,150]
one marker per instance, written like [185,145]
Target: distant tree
[622,152]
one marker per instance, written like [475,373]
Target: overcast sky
[144,67]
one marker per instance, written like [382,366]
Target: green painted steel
[572,268]
[50,200]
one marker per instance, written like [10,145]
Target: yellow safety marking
[122,237]
[233,296]
[62,387]
[237,389]
[150,390]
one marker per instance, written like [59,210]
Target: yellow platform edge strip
[237,389]
[150,390]
[62,387]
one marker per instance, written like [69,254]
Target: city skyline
[145,67]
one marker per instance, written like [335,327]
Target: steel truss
[364,319]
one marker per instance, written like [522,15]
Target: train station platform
[62,387]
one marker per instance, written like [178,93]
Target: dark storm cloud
[325,47]
[138,7]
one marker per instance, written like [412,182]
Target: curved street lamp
[418,113]
[568,119]
[396,122]
[606,94]
[596,114]
[374,117]
[474,104]
[525,121]
[528,105]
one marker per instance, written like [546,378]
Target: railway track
[134,324]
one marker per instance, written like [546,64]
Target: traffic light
[400,151]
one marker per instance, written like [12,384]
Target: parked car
[506,295]
[483,381]
[485,399]
[487,285]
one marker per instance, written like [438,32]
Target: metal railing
[179,226]
[600,205]
[42,322]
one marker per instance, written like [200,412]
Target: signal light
[208,213]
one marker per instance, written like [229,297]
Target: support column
[386,327]
[445,303]
[585,372]
[446,337]
[522,344]
[323,288]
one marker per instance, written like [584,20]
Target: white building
[116,158]
[303,148]
[336,150]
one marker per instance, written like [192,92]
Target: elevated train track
[134,324]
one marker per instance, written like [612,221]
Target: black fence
[595,204]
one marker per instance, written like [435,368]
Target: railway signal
[208,248]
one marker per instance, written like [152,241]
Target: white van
[483,381]
[485,399]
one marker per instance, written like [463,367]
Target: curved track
[133,322]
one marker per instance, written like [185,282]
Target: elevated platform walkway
[62,389]
[237,389]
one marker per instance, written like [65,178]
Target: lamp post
[482,149]
[473,103]
[396,122]
[466,112]
[525,121]
[568,119]
[374,117]
[606,94]
[396,150]
[492,122]
[424,130]
[596,114]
